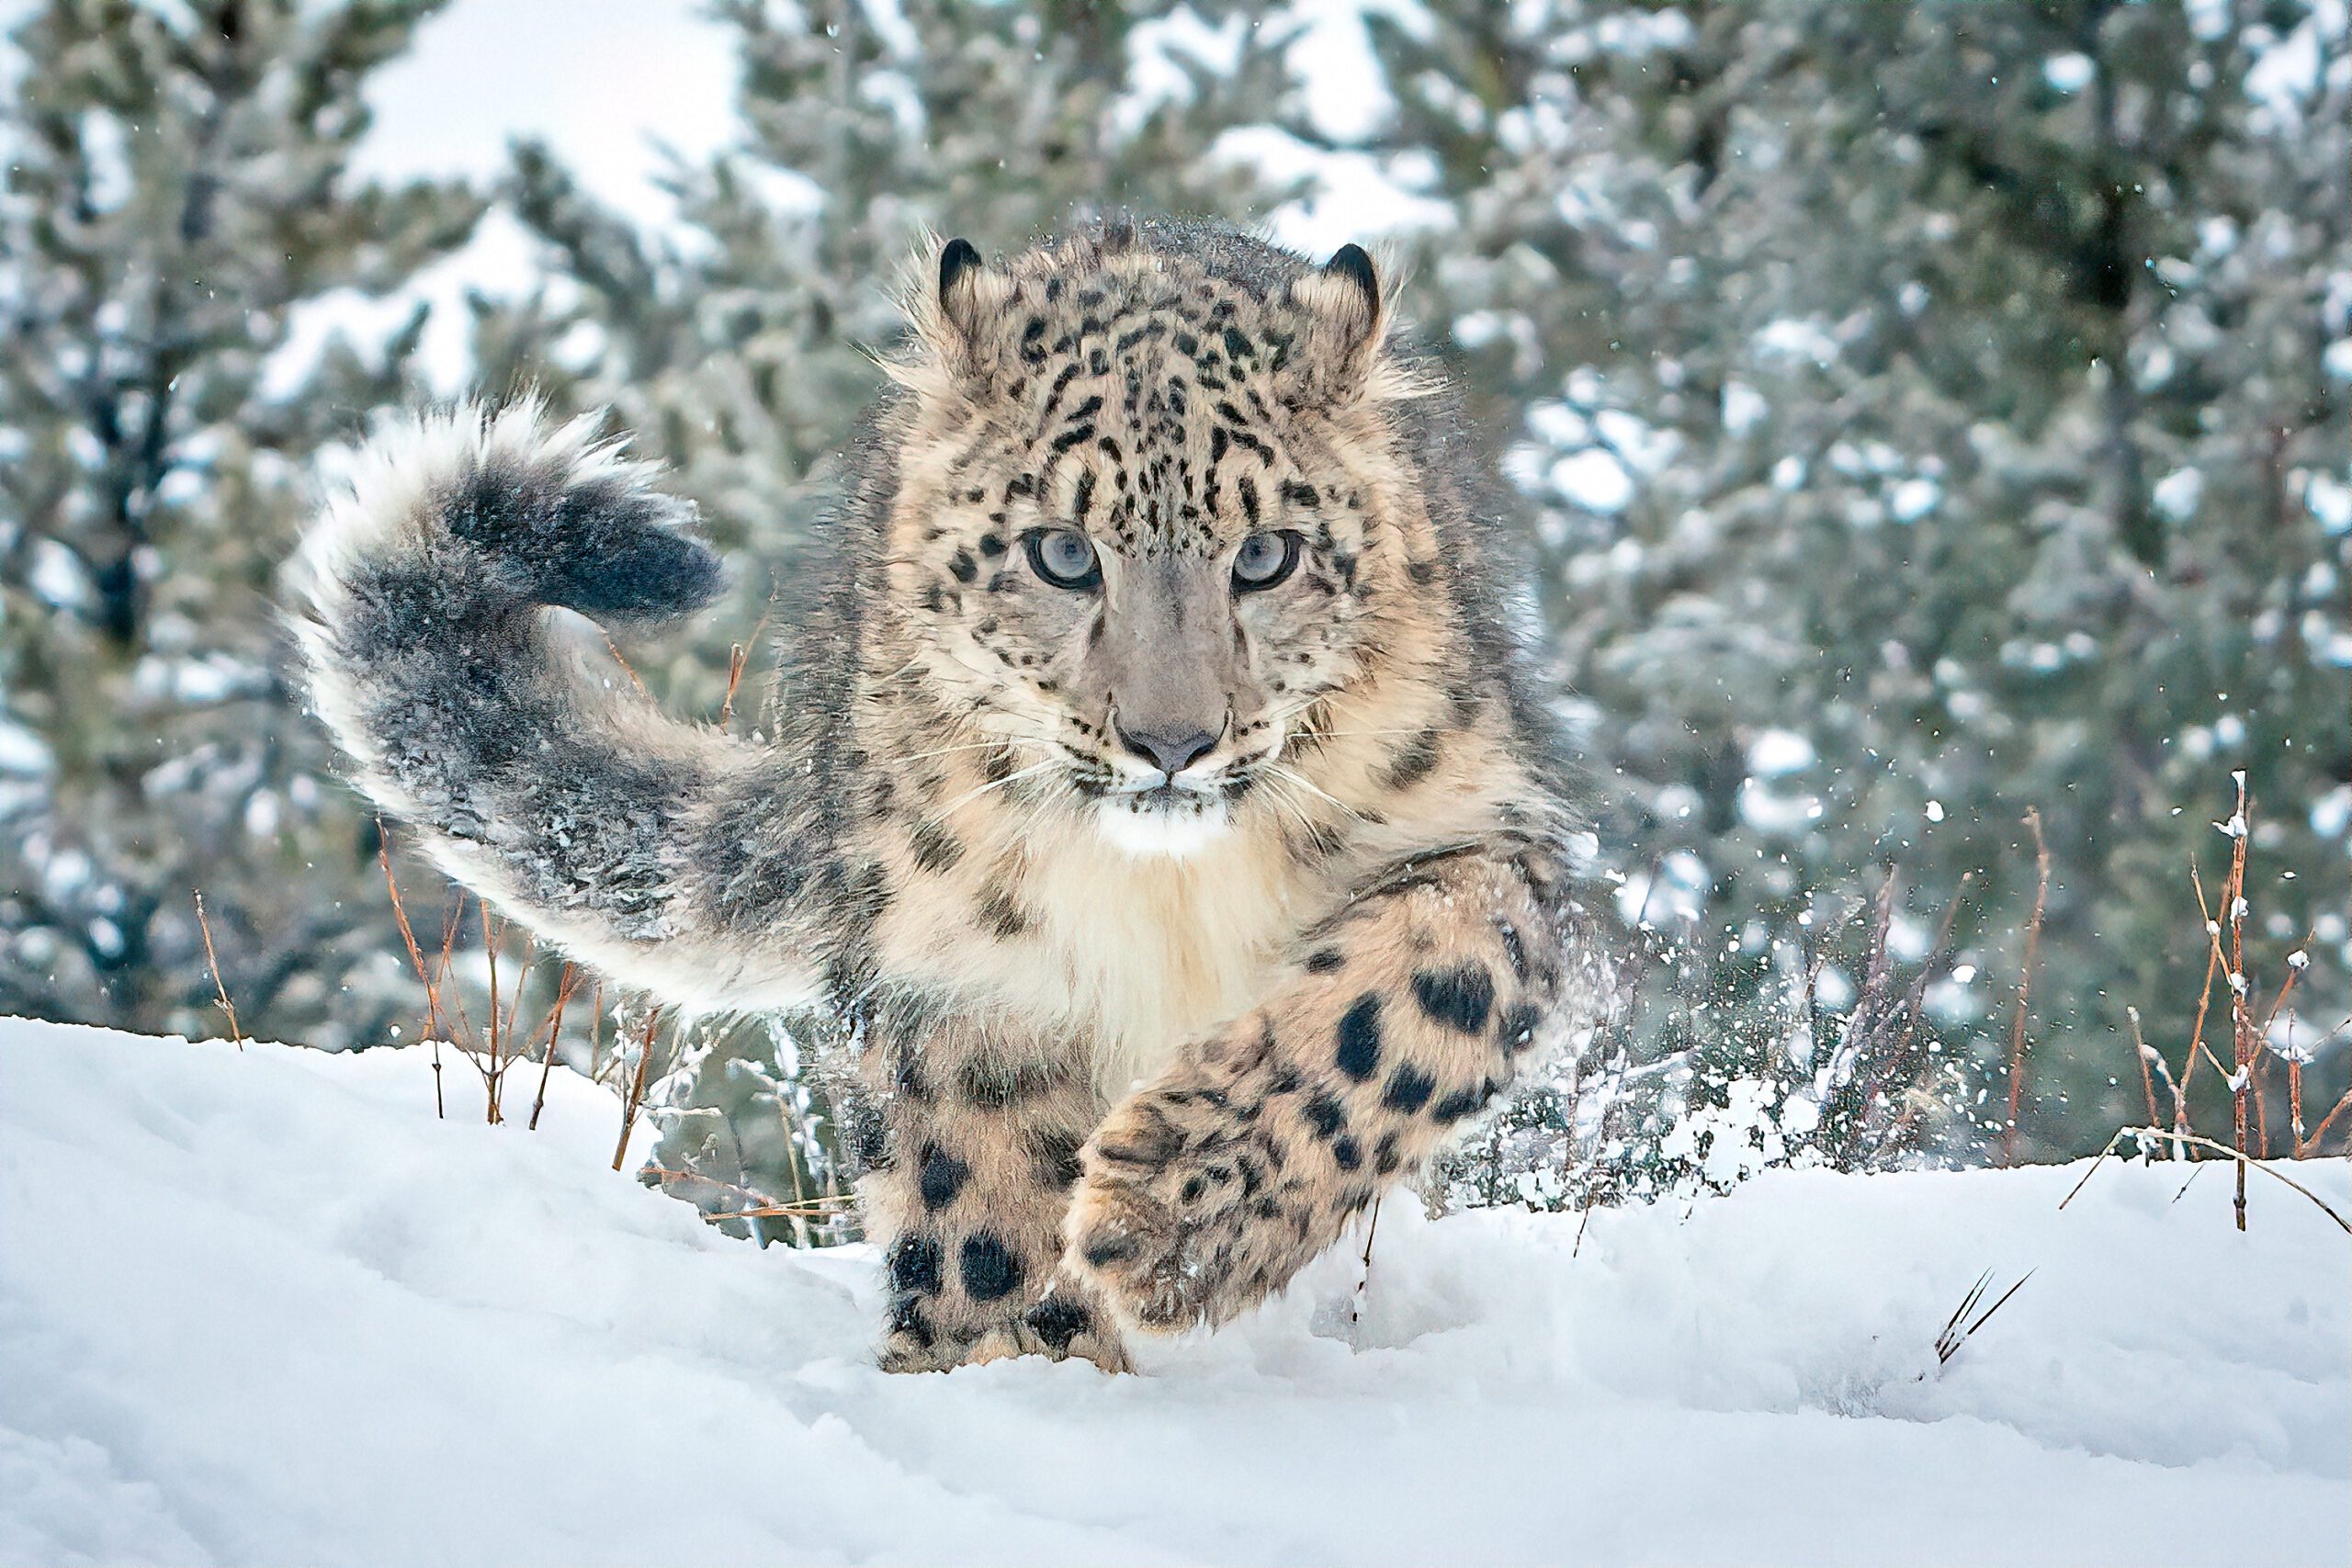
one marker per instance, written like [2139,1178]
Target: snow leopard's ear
[954,306]
[951,301]
[1347,313]
[959,283]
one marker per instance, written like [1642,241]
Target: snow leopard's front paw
[1063,1326]
[1175,1223]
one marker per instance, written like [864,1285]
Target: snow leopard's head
[1156,534]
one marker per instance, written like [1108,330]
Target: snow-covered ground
[262,1306]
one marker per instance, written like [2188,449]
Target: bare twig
[2140,1054]
[491,1074]
[516,1046]
[629,669]
[596,1035]
[2204,997]
[1363,1281]
[2025,985]
[2326,1121]
[2294,1069]
[738,655]
[2294,1063]
[735,655]
[563,988]
[213,961]
[634,1098]
[460,1018]
[408,935]
[2239,1026]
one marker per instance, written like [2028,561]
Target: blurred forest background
[1924,415]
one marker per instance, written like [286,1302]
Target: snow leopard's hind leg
[1397,1020]
[645,846]
[981,1147]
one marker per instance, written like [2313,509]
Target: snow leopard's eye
[1265,560]
[1065,557]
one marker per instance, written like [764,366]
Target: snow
[2177,495]
[1594,480]
[2069,72]
[1349,197]
[1775,753]
[261,1306]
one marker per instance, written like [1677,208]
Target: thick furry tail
[548,788]
[517,510]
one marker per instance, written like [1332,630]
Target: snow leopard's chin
[1163,823]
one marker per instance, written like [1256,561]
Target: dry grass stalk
[212,960]
[800,1186]
[2025,985]
[2208,1144]
[800,1213]
[494,1050]
[1955,1335]
[508,1038]
[760,1205]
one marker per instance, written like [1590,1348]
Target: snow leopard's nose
[1172,753]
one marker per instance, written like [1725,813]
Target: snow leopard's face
[1158,526]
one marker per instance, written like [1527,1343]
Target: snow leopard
[1163,792]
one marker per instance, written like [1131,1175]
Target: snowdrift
[261,1306]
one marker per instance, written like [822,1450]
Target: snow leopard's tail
[548,787]
[515,509]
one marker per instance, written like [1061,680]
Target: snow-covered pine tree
[175,197]
[1934,412]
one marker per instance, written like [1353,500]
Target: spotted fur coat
[1161,790]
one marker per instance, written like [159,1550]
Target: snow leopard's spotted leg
[981,1142]
[1399,1018]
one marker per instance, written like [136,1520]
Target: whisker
[1013,777]
[943,751]
[1286,715]
[1284,801]
[1303,782]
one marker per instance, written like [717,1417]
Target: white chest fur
[1135,955]
[1158,950]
